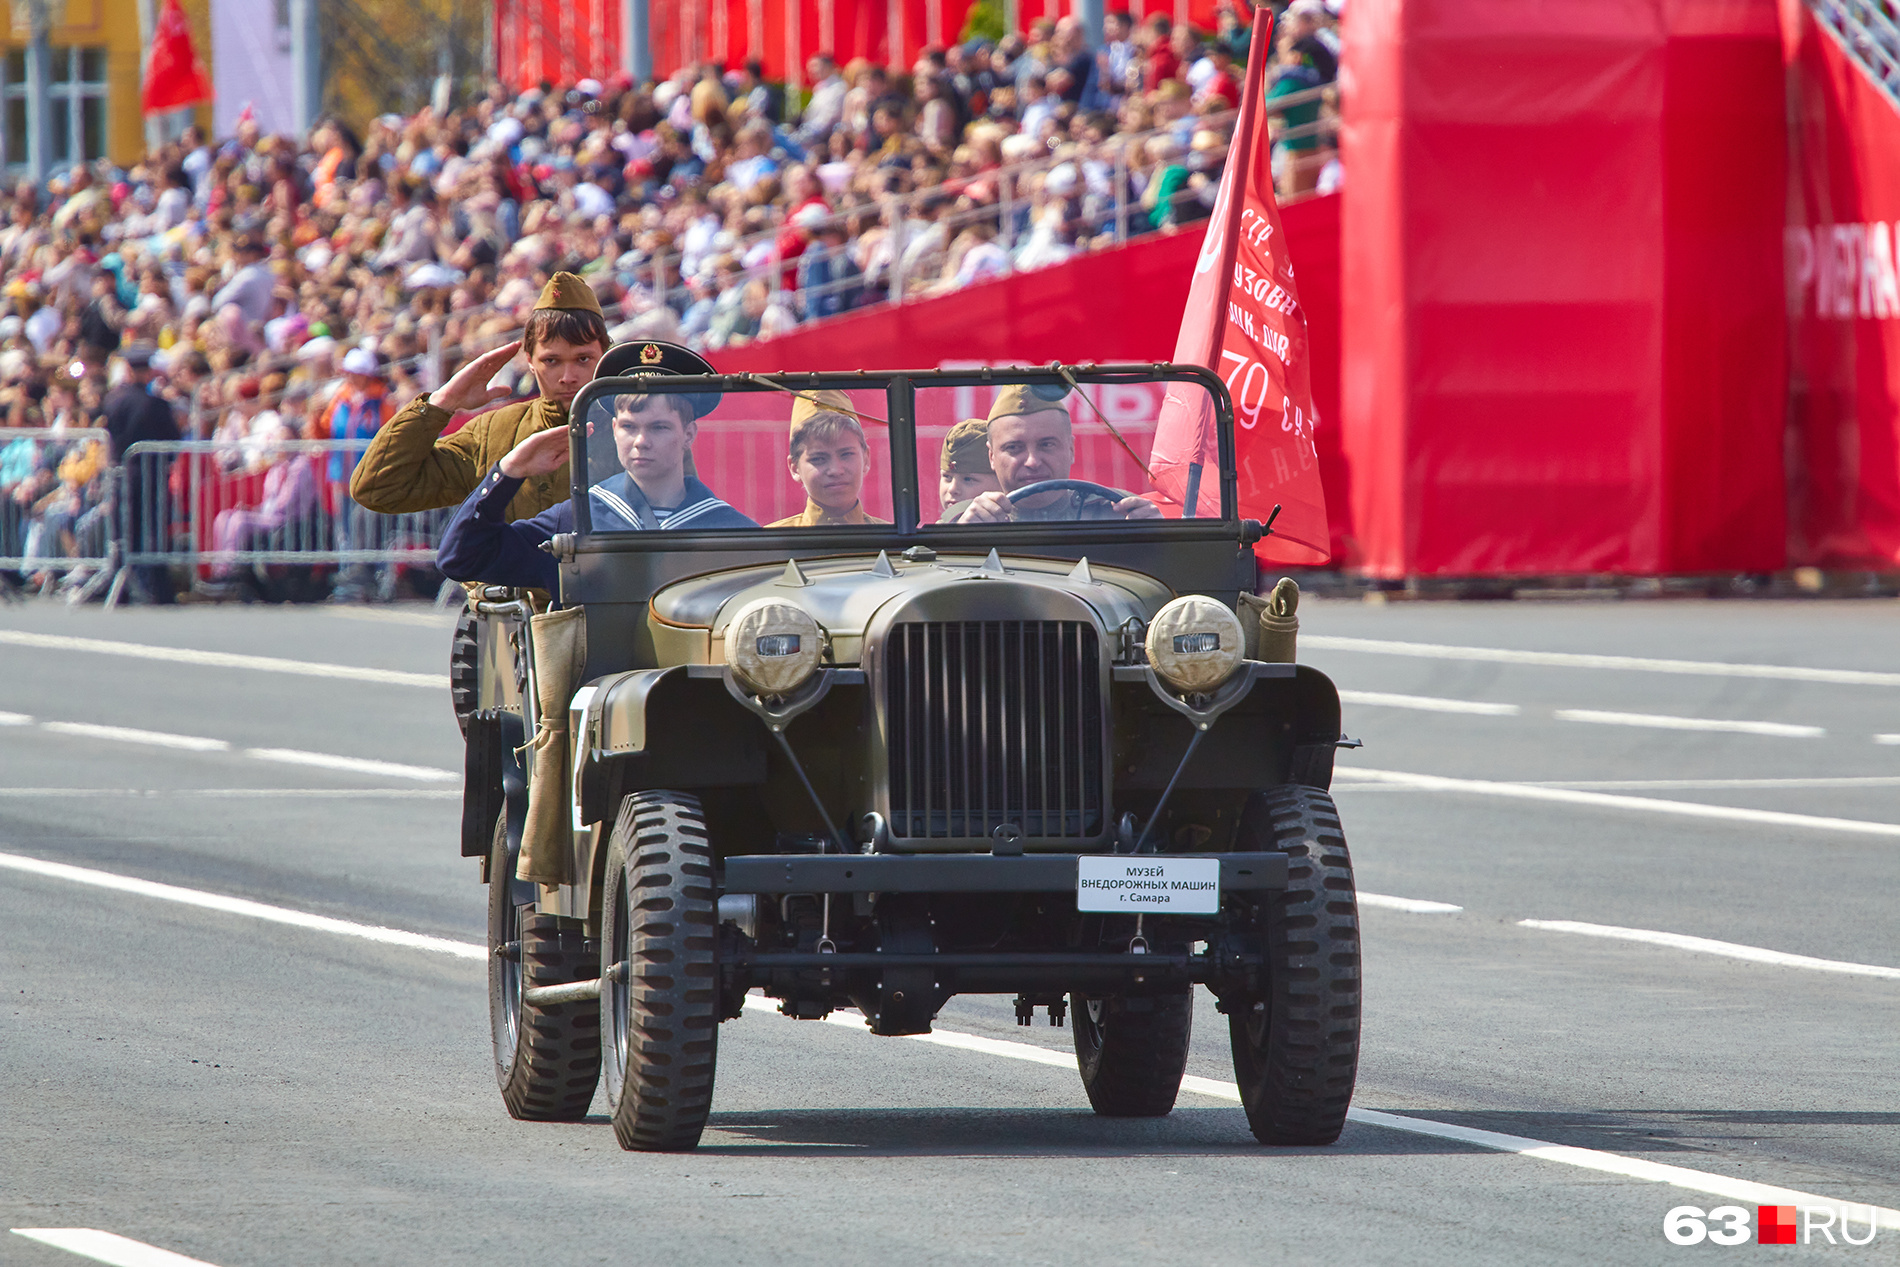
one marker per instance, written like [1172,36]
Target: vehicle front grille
[995,723]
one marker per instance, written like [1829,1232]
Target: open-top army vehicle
[873,765]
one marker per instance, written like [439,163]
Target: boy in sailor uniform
[653,490]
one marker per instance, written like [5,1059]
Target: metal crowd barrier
[56,497]
[218,507]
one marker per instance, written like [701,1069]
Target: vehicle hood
[844,595]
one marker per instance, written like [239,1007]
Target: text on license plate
[1179,886]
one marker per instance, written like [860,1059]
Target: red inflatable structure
[1563,329]
[1843,305]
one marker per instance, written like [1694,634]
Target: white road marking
[1877,780]
[1427,703]
[1586,1158]
[288,756]
[1659,721]
[1632,785]
[223,659]
[235,793]
[1542,1150]
[15,719]
[1887,739]
[1706,946]
[240,906]
[433,619]
[126,734]
[1615,1164]
[1416,906]
[1570,660]
[355,765]
[1606,800]
[107,1247]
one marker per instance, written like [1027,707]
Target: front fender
[1282,731]
[677,728]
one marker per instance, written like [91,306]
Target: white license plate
[1174,886]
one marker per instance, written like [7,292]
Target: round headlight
[772,646]
[1194,643]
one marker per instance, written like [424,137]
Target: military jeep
[873,759]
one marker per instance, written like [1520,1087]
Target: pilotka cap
[1029,398]
[809,406]
[565,290]
[966,450]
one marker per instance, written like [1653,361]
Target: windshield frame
[905,530]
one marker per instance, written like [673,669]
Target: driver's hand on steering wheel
[987,508]
[1137,508]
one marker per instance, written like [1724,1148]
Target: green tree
[985,21]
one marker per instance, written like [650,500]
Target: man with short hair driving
[1031,440]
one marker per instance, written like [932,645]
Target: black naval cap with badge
[640,359]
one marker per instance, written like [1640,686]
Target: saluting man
[412,466]
[828,456]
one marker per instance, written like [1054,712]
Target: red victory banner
[173,75]
[1245,323]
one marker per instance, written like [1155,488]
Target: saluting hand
[542,453]
[469,388]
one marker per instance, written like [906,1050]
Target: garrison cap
[966,450]
[565,290]
[809,406]
[1029,398]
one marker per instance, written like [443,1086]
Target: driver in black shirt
[1031,439]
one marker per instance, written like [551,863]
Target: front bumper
[958,873]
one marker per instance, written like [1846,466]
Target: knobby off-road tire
[1132,1061]
[547,1059]
[464,668]
[660,1025]
[1296,1051]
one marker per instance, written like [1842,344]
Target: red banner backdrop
[1563,329]
[561,41]
[1118,305]
[564,41]
[1843,306]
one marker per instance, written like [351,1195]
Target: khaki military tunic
[410,465]
[817,516]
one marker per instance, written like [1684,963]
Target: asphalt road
[245,1091]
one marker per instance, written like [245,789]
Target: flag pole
[1233,184]
[1234,178]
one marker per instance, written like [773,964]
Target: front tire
[547,1059]
[1133,1052]
[659,997]
[1296,1050]
[465,669]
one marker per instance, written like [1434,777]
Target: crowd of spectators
[307,288]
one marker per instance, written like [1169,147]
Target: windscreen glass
[664,459]
[1011,452]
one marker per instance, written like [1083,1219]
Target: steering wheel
[1082,488]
